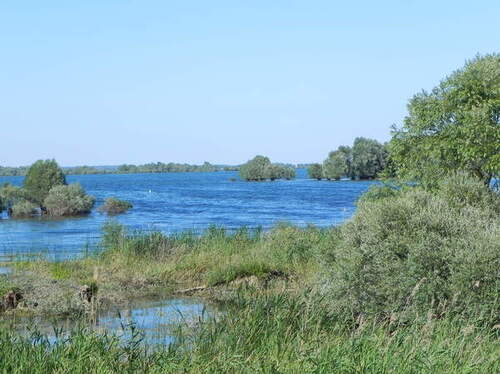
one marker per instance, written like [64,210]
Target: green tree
[346,152]
[11,196]
[274,172]
[455,127]
[288,172]
[256,169]
[315,171]
[41,177]
[335,166]
[368,158]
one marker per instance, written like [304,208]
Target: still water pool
[150,322]
[173,202]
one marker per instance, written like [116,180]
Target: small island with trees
[45,192]
[260,169]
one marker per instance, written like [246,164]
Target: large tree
[257,169]
[455,127]
[368,158]
[335,166]
[40,178]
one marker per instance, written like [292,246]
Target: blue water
[156,321]
[175,202]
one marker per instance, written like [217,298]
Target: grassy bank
[139,264]
[271,334]
[409,285]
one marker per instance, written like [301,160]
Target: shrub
[377,192]
[68,200]
[10,194]
[14,200]
[41,177]
[461,190]
[23,208]
[115,206]
[418,252]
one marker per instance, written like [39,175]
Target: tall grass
[269,334]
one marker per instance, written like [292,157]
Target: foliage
[335,166]
[260,168]
[315,171]
[274,172]
[10,195]
[23,209]
[11,171]
[420,252]
[379,191]
[256,169]
[287,172]
[455,127]
[113,206]
[368,158]
[153,167]
[15,201]
[68,200]
[365,160]
[41,177]
[160,167]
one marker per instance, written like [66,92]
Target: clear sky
[104,82]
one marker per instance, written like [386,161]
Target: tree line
[153,167]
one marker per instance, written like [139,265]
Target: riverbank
[409,285]
[152,264]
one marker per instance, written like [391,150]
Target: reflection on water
[155,321]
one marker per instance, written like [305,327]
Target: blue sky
[107,82]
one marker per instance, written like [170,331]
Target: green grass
[270,334]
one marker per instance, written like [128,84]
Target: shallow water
[153,322]
[173,202]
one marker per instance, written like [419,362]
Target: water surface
[152,322]
[173,202]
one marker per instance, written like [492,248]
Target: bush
[417,253]
[377,192]
[14,200]
[68,200]
[41,177]
[23,208]
[462,190]
[115,206]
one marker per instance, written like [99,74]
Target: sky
[107,82]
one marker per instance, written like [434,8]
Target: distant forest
[158,167]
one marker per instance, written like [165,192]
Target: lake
[173,202]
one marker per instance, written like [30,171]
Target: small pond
[155,321]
